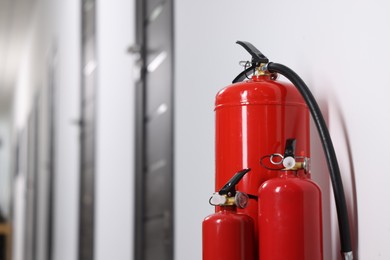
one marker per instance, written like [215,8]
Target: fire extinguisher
[254,117]
[228,235]
[289,215]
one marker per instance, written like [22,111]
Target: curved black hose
[330,153]
[244,74]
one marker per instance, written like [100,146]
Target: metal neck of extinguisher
[258,59]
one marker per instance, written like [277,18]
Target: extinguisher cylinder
[252,118]
[228,235]
[290,219]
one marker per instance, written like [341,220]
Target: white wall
[66,199]
[340,48]
[53,25]
[29,81]
[115,131]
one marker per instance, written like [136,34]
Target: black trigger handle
[257,56]
[230,186]
[290,148]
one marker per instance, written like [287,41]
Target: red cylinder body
[290,219]
[254,118]
[228,235]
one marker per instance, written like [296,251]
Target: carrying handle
[257,59]
[230,187]
[289,150]
[257,56]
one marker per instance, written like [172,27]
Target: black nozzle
[289,150]
[230,187]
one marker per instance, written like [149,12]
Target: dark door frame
[87,130]
[148,234]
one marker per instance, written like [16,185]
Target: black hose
[330,153]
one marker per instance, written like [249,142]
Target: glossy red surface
[290,219]
[228,235]
[253,119]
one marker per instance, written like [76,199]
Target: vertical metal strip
[51,115]
[172,38]
[149,235]
[31,178]
[140,94]
[87,130]
[36,178]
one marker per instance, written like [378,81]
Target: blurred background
[107,121]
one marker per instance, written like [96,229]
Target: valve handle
[230,187]
[289,150]
[257,59]
[289,153]
[257,56]
[288,160]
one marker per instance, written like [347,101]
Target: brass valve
[240,200]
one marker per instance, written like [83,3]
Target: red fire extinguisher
[289,216]
[228,235]
[254,118]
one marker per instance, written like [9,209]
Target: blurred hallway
[63,164]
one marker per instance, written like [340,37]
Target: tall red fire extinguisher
[254,117]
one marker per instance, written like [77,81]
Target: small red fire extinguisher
[289,212]
[228,235]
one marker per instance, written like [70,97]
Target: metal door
[154,133]
[87,130]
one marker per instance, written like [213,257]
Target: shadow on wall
[349,180]
[320,174]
